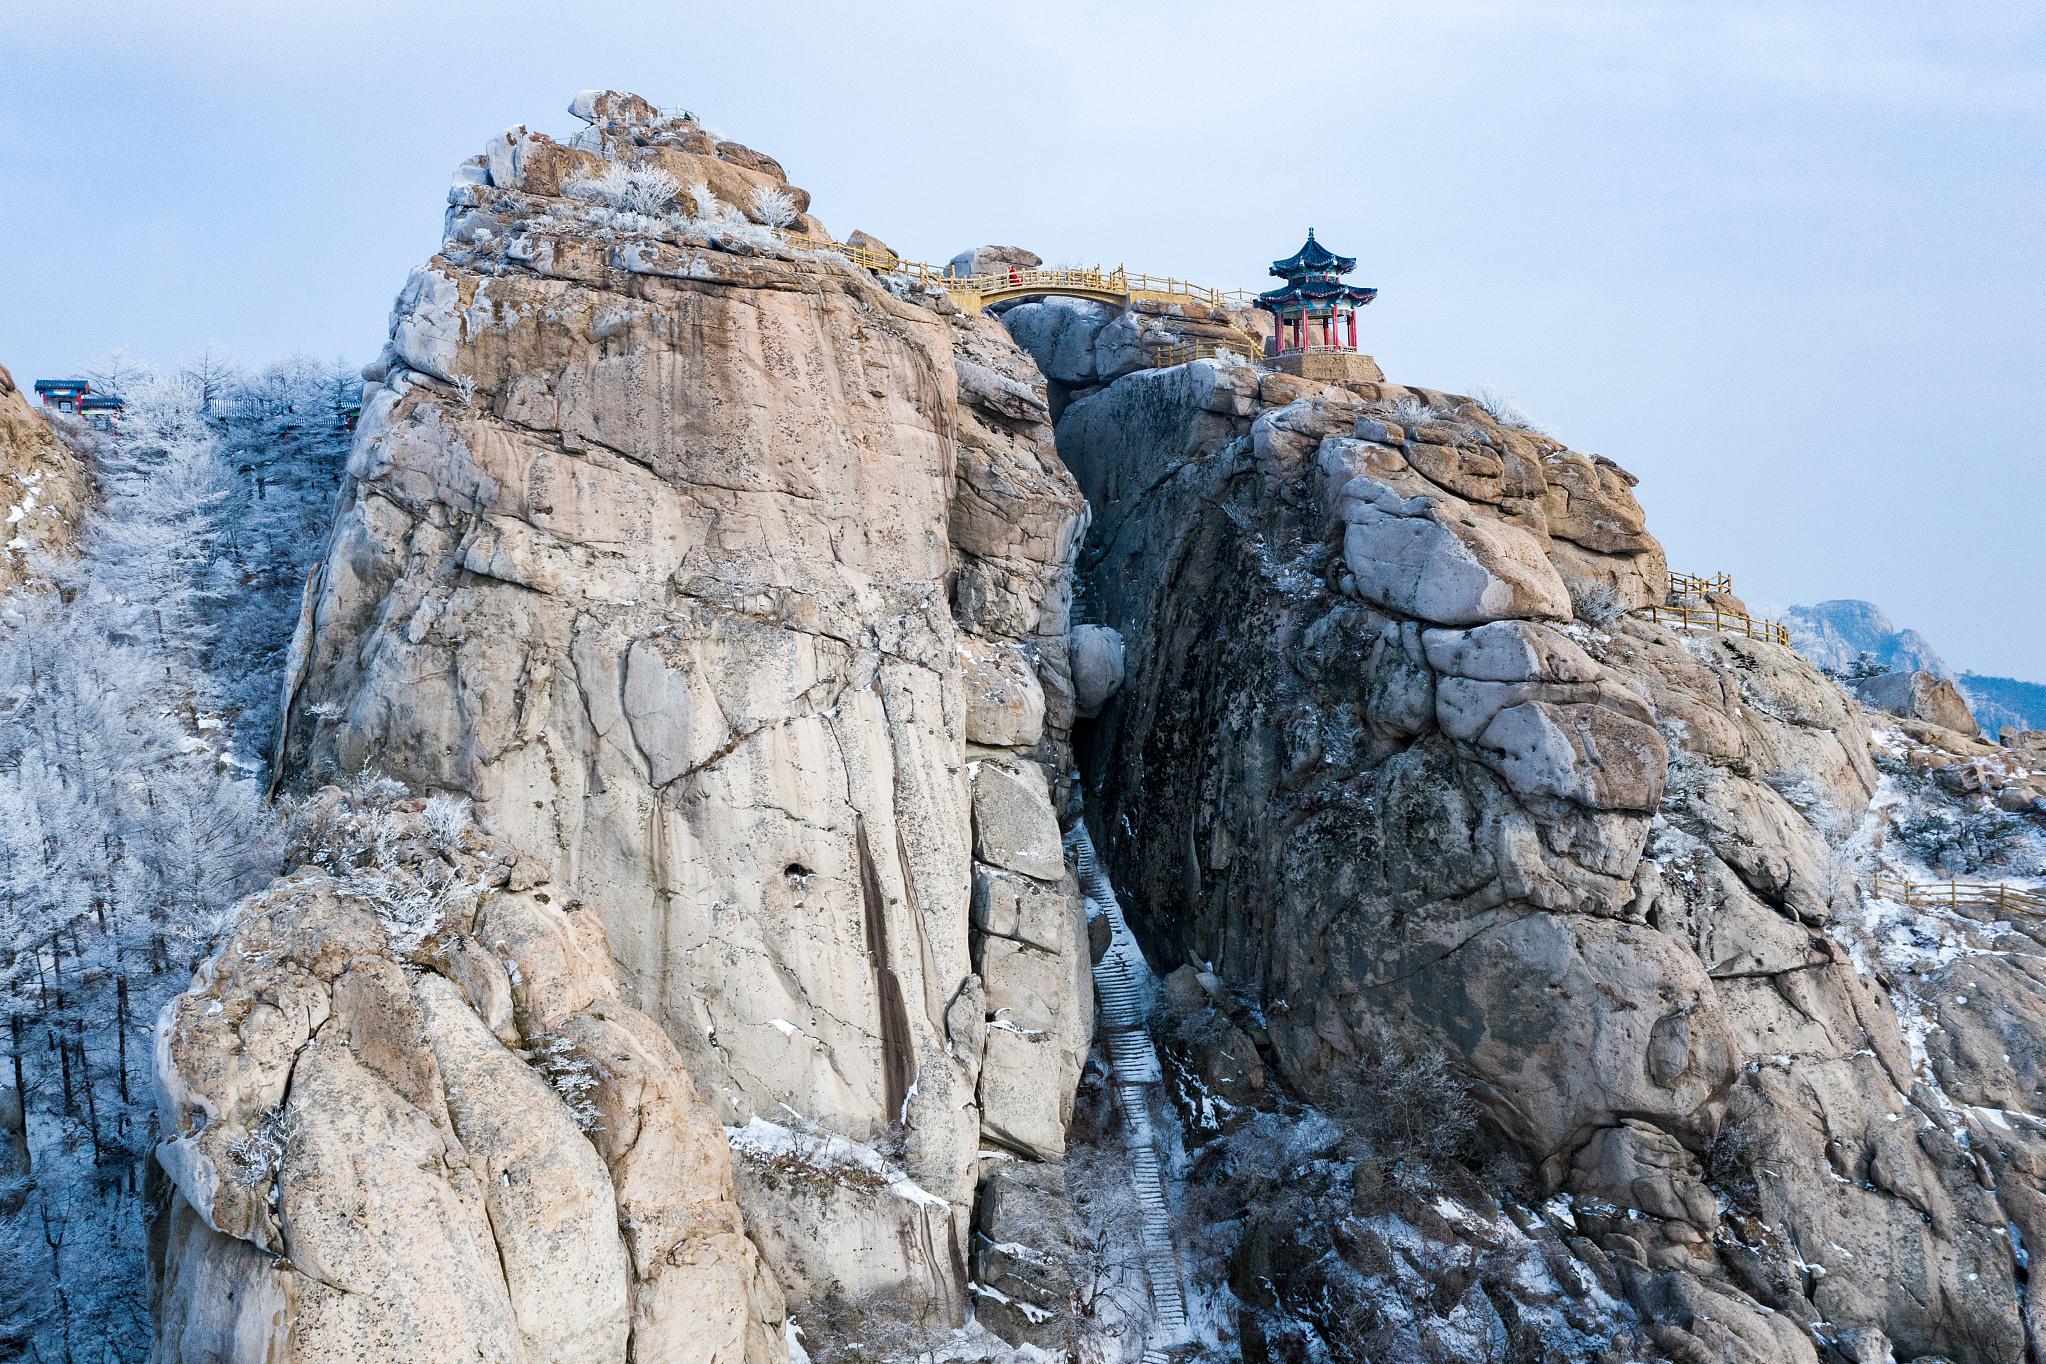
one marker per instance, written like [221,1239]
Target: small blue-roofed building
[102,410]
[63,393]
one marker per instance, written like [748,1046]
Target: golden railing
[1683,585]
[1718,621]
[1687,607]
[2005,899]
[1180,352]
[974,291]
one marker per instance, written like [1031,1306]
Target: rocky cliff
[1433,779]
[732,589]
[42,483]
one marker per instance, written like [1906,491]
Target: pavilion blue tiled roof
[62,385]
[1313,275]
[1313,258]
[1318,291]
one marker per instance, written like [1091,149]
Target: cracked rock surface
[731,587]
[411,1118]
[1430,777]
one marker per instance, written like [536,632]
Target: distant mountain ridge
[1835,634]
[2002,703]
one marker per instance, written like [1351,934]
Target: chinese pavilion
[1315,312]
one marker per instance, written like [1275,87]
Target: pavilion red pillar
[1353,329]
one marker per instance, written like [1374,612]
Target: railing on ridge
[2006,899]
[974,291]
[1683,585]
[1688,608]
[1718,621]
[1206,348]
[1314,350]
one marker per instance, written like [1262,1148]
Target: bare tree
[212,374]
[117,372]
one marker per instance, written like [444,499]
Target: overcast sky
[1783,261]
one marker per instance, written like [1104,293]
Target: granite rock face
[732,589]
[1387,757]
[42,486]
[409,1116]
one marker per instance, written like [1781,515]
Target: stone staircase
[1121,980]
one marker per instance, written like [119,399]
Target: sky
[1783,261]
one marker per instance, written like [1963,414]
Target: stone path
[1120,981]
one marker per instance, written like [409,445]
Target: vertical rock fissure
[897,1056]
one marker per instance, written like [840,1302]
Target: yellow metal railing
[1718,621]
[1207,348]
[1683,585]
[2005,899]
[1688,608]
[974,291]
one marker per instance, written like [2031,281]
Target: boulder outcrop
[409,1117]
[731,588]
[1919,695]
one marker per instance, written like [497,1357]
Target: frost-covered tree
[646,190]
[284,434]
[117,371]
[212,373]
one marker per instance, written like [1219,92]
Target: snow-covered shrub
[258,1154]
[448,817]
[1502,410]
[570,1074]
[1402,1101]
[704,204]
[1410,411]
[1597,605]
[391,857]
[1961,842]
[774,207]
[645,190]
